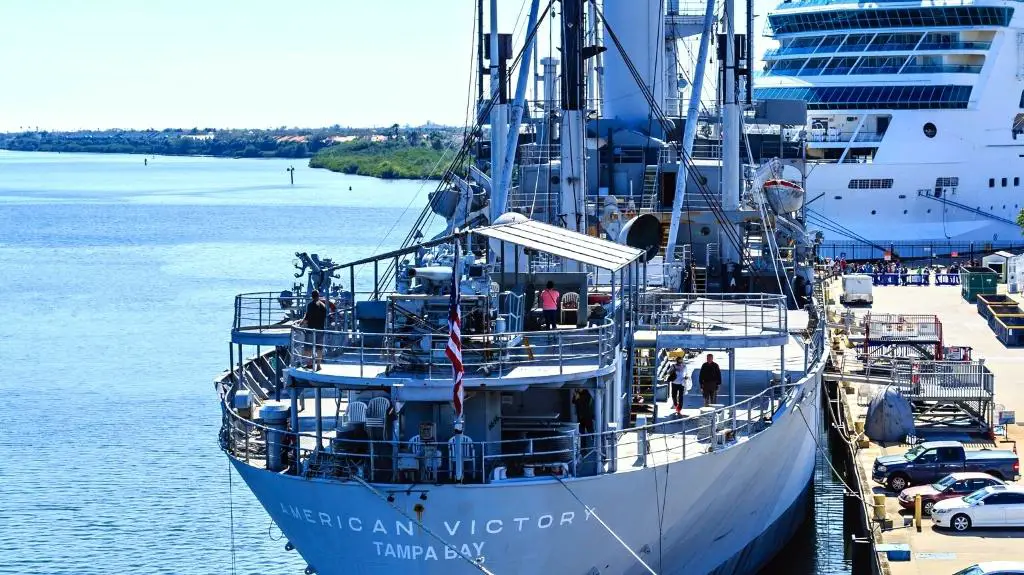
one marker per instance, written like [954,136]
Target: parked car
[932,460]
[993,506]
[994,568]
[950,486]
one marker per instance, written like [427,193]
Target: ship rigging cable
[384,498]
[590,511]
[231,508]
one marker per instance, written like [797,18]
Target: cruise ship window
[930,130]
[991,182]
[1004,182]
[1016,181]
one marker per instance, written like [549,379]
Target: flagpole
[454,353]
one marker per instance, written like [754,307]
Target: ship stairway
[645,364]
[652,174]
[946,201]
[700,280]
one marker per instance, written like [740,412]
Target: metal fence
[492,354]
[751,314]
[943,380]
[260,311]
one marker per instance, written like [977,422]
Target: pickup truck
[932,460]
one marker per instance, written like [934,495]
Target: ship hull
[725,512]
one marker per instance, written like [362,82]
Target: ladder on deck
[643,389]
[700,280]
[649,202]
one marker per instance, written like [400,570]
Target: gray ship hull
[729,511]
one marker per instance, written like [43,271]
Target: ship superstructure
[915,112]
[566,455]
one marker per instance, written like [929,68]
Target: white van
[856,289]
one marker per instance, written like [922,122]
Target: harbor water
[117,281]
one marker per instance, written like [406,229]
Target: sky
[138,64]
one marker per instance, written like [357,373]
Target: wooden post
[917,512]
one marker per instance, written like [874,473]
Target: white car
[993,506]
[994,568]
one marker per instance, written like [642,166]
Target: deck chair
[468,456]
[376,416]
[355,412]
[570,303]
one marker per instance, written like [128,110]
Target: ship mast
[730,130]
[573,134]
[499,114]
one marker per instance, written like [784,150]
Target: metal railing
[749,314]
[938,379]
[941,69]
[538,154]
[954,46]
[565,452]
[822,135]
[260,311]
[490,355]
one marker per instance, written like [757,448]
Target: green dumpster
[975,281]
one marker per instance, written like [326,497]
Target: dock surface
[934,551]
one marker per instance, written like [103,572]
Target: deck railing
[265,310]
[564,453]
[750,314]
[488,355]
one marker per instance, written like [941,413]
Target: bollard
[879,507]
[917,512]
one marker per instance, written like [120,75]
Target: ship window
[1022,99]
[839,197]
[872,212]
[870,97]
[871,184]
[1016,181]
[904,212]
[867,19]
[929,130]
[1004,182]
[947,182]
[991,182]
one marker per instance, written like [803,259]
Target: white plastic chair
[570,303]
[376,415]
[355,412]
[468,455]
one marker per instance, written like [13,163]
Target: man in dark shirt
[315,320]
[710,379]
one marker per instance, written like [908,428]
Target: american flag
[454,349]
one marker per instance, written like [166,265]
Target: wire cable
[474,562]
[590,511]
[231,507]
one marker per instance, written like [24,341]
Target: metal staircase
[643,388]
[652,176]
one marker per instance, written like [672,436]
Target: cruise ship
[439,415]
[915,117]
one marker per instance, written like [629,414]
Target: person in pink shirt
[549,303]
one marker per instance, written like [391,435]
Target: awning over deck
[564,243]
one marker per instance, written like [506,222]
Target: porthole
[929,210]
[929,130]
[903,196]
[904,212]
[839,197]
[705,231]
[872,212]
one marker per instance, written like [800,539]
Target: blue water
[116,285]
[116,281]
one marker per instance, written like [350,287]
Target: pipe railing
[266,310]
[493,355]
[563,454]
[707,313]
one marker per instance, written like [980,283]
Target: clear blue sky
[77,64]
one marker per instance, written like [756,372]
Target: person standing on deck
[710,379]
[584,403]
[315,320]
[549,303]
[679,380]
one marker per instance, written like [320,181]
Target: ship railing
[750,313]
[538,154]
[834,135]
[954,46]
[260,311]
[941,69]
[562,452]
[713,428]
[484,355]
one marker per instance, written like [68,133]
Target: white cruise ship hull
[726,512]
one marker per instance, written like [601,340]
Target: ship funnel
[643,232]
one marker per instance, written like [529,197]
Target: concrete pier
[932,551]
